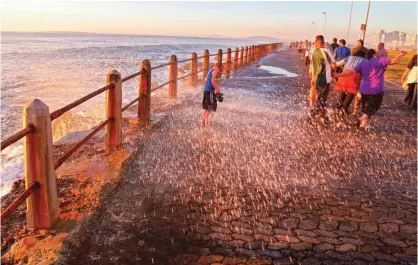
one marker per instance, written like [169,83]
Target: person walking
[341,53]
[410,78]
[307,54]
[320,72]
[334,45]
[210,92]
[381,51]
[372,83]
[348,86]
[359,46]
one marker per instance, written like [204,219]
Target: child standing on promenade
[209,102]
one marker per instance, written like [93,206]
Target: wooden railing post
[241,57]
[42,210]
[205,64]
[172,75]
[219,58]
[253,52]
[235,58]
[193,69]
[250,53]
[144,104]
[228,62]
[114,110]
[246,55]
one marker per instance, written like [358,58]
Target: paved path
[261,186]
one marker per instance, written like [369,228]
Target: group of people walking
[357,74]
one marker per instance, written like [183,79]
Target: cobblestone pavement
[261,186]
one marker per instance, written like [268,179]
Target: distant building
[395,39]
[402,38]
[384,37]
[395,35]
[411,40]
[378,36]
[388,38]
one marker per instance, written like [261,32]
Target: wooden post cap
[113,76]
[35,108]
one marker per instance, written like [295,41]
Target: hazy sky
[237,19]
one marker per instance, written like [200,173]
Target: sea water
[59,68]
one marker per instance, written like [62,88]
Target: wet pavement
[261,185]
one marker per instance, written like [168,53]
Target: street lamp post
[349,21]
[367,18]
[325,20]
[314,26]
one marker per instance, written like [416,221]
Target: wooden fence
[40,179]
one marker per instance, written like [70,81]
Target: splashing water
[60,68]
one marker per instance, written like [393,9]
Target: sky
[283,20]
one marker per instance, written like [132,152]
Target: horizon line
[211,36]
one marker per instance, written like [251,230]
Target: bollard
[172,75]
[235,58]
[241,56]
[113,130]
[205,64]
[144,104]
[193,70]
[42,207]
[219,58]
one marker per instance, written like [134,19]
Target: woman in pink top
[372,83]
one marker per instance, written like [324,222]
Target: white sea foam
[278,71]
[10,171]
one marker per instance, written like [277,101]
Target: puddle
[278,71]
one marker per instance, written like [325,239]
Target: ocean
[59,68]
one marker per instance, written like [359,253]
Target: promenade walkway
[260,185]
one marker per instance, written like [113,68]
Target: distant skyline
[282,20]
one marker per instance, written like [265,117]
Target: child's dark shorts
[209,101]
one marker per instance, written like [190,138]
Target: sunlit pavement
[262,186]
